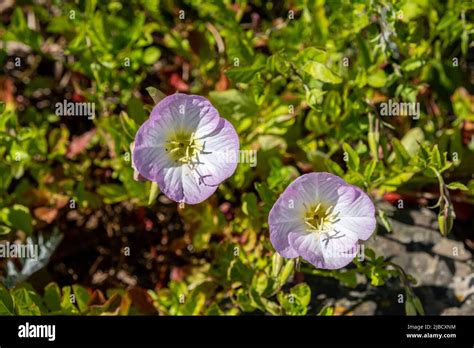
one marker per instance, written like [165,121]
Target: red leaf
[77,98]
[223,83]
[177,82]
[46,214]
[79,143]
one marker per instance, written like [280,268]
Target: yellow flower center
[319,218]
[184,147]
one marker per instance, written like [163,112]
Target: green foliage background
[301,81]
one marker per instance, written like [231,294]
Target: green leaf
[5,177]
[291,304]
[151,55]
[348,278]
[18,19]
[129,126]
[52,297]
[112,193]
[249,204]
[260,282]
[26,301]
[378,79]
[364,54]
[82,297]
[326,311]
[154,191]
[401,155]
[155,94]
[412,64]
[243,74]
[303,292]
[68,301]
[277,264]
[370,254]
[333,167]
[412,139]
[376,276]
[6,302]
[457,186]
[239,272]
[280,177]
[369,170]
[4,230]
[396,181]
[311,54]
[418,305]
[436,158]
[385,221]
[136,110]
[287,271]
[214,310]
[234,105]
[352,158]
[245,301]
[320,72]
[17,217]
[410,308]
[277,63]
[195,304]
[271,307]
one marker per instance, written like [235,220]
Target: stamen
[186,148]
[174,149]
[320,218]
[311,225]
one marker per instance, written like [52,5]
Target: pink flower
[186,147]
[321,218]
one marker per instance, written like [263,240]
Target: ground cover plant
[234,157]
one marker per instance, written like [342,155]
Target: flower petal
[279,238]
[307,246]
[314,248]
[181,184]
[331,249]
[148,155]
[337,256]
[191,113]
[287,214]
[190,183]
[356,212]
[220,155]
[316,188]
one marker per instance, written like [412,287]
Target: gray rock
[426,269]
[452,249]
[366,308]
[463,287]
[406,233]
[466,308]
[384,245]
